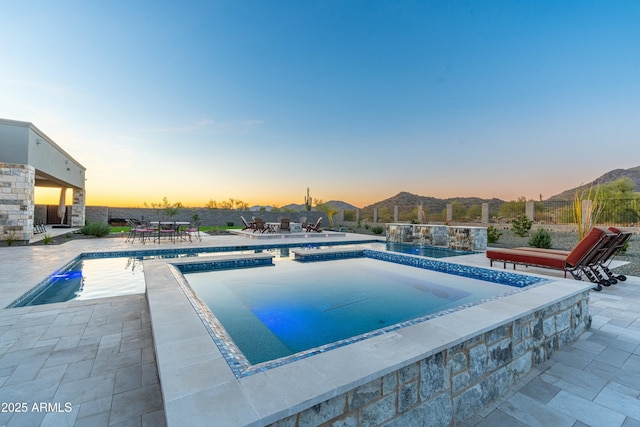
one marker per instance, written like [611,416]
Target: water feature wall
[464,238]
[453,384]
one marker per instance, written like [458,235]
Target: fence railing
[620,212]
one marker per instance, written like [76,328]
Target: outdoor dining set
[284,225]
[172,231]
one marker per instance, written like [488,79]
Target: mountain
[293,207]
[632,173]
[429,204]
[433,205]
[337,204]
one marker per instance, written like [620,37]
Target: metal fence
[621,212]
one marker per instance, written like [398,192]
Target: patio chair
[303,222]
[600,267]
[138,231]
[259,225]
[168,230]
[38,227]
[285,225]
[248,225]
[315,227]
[578,261]
[193,229]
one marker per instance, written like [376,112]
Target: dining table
[274,227]
[175,225]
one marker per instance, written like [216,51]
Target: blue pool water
[274,312]
[106,275]
[428,251]
[88,279]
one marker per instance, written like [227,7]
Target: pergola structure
[29,158]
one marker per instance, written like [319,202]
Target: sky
[356,100]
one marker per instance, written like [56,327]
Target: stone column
[17,183]
[449,212]
[529,210]
[421,216]
[375,215]
[78,208]
[485,213]
[395,214]
[357,215]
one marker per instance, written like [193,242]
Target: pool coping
[198,385]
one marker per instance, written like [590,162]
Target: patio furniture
[260,225]
[315,227]
[600,267]
[248,225]
[138,231]
[285,225]
[578,261]
[168,229]
[193,229]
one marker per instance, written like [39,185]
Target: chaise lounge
[586,253]
[599,268]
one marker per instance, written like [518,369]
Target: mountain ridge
[433,204]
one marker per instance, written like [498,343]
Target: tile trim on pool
[241,367]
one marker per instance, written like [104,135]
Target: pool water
[274,312]
[88,279]
[428,251]
[97,277]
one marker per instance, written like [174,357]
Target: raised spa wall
[453,384]
[453,237]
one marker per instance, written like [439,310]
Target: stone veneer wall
[16,202]
[453,237]
[453,384]
[78,213]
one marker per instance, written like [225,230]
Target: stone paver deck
[93,363]
[84,363]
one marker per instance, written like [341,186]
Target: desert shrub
[377,229]
[540,239]
[521,225]
[493,234]
[98,229]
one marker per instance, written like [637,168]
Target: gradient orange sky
[358,100]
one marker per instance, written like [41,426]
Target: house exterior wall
[29,158]
[16,203]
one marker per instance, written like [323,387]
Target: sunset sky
[358,100]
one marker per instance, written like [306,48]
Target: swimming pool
[450,363]
[290,308]
[107,274]
[266,317]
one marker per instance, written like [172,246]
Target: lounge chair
[599,268]
[248,225]
[579,260]
[315,227]
[259,225]
[285,225]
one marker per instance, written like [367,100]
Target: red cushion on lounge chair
[543,250]
[528,257]
[583,247]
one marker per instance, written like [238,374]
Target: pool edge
[232,401]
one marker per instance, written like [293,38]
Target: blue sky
[358,100]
